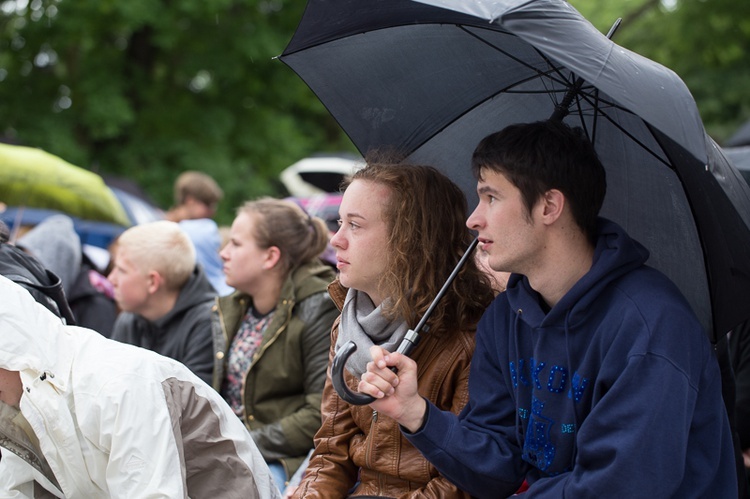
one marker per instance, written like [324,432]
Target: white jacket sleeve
[135,429]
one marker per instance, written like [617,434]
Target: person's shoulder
[313,272]
[651,289]
[104,362]
[197,297]
[461,342]
[660,319]
[122,386]
[315,305]
[198,315]
[125,324]
[309,282]
[100,361]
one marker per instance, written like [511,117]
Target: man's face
[362,239]
[131,284]
[11,388]
[507,232]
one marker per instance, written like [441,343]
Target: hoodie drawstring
[520,433]
[574,451]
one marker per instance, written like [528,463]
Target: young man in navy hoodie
[592,377]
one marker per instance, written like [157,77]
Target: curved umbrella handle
[337,376]
[342,356]
[407,344]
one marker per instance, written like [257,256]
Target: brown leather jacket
[355,443]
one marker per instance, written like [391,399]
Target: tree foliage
[707,43]
[148,88]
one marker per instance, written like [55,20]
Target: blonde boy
[164,296]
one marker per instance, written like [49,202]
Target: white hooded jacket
[113,420]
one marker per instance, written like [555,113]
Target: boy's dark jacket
[183,334]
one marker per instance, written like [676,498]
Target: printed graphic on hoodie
[540,431]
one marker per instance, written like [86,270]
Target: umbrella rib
[631,136]
[598,110]
[552,67]
[552,70]
[595,106]
[593,101]
[592,135]
[596,114]
[597,103]
[555,75]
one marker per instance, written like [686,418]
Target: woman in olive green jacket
[272,335]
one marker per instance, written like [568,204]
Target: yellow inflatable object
[37,179]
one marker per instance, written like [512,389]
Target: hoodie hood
[308,279]
[196,291]
[57,245]
[32,339]
[615,254]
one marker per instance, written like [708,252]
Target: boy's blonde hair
[161,246]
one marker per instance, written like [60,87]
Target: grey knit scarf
[364,324]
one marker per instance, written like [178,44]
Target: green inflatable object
[34,178]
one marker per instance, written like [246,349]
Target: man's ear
[552,204]
[273,256]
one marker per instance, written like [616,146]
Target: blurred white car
[319,174]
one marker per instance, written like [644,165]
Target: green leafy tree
[146,89]
[707,43]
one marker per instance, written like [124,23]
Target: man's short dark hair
[537,157]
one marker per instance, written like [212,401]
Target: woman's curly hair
[426,218]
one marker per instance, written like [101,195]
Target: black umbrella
[431,82]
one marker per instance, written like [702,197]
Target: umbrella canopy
[33,178]
[431,83]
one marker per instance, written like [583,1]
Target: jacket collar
[337,291]
[297,287]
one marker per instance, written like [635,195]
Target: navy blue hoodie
[614,392]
